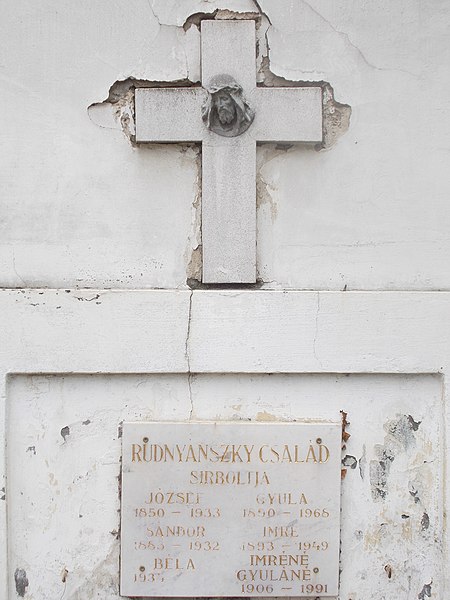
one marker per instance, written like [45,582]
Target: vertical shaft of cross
[229,163]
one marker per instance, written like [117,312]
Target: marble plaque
[230,509]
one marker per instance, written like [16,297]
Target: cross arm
[169,114]
[287,114]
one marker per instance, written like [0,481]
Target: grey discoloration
[362,464]
[425,522]
[414,424]
[87,422]
[20,577]
[426,591]
[400,437]
[378,473]
[65,432]
[402,431]
[103,576]
[414,493]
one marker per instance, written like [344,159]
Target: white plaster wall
[64,449]
[74,364]
[82,207]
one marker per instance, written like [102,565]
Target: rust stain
[345,423]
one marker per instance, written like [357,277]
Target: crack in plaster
[153,12]
[15,270]
[353,45]
[117,110]
[316,330]
[261,12]
[187,356]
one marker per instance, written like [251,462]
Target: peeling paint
[265,416]
[117,110]
[414,493]
[336,118]
[83,299]
[345,424]
[219,14]
[65,432]
[399,438]
[20,577]
[349,461]
[102,577]
[425,522]
[194,251]
[265,155]
[426,591]
[336,115]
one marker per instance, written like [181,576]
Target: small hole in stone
[319,441]
[145,440]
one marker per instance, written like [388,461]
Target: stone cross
[228,115]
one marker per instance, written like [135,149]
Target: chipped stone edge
[120,99]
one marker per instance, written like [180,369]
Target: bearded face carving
[226,111]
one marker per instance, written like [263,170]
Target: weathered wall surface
[84,207]
[81,362]
[64,522]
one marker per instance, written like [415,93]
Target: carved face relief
[226,111]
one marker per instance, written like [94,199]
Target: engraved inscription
[230,509]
